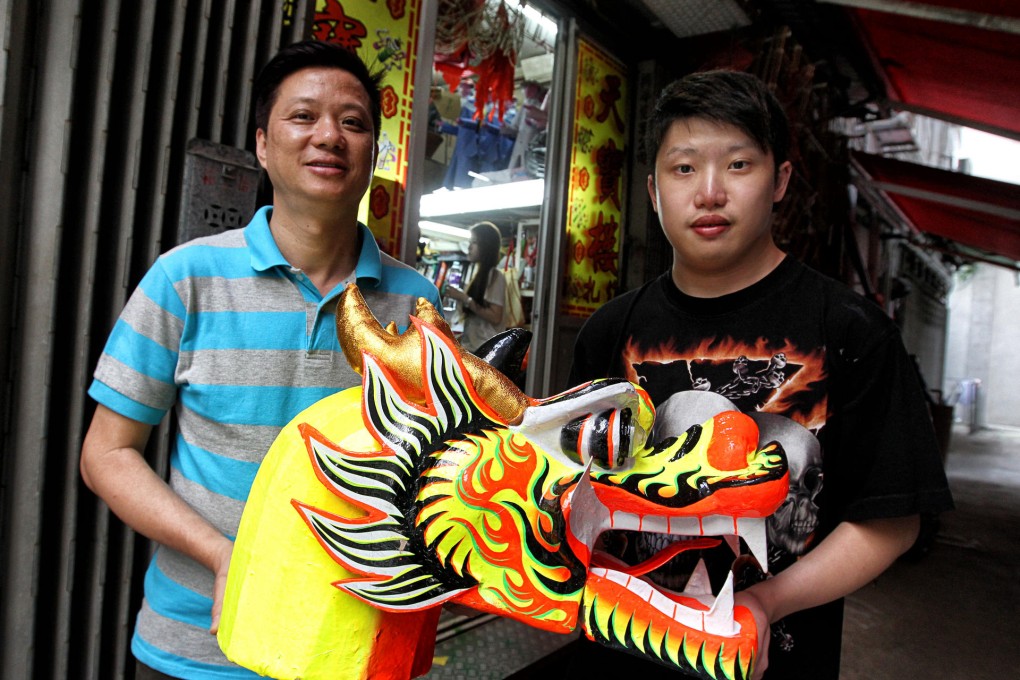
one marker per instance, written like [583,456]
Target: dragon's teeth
[662,603]
[639,587]
[618,577]
[685,526]
[687,616]
[625,521]
[719,620]
[647,524]
[752,530]
[698,584]
[655,525]
[718,525]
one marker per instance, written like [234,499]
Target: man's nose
[711,191]
[327,133]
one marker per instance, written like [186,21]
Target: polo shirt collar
[265,254]
[369,260]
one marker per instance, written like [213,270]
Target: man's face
[318,146]
[713,189]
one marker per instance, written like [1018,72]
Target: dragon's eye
[603,437]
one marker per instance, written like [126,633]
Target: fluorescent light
[526,194]
[536,17]
[444,229]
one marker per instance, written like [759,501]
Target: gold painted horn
[359,331]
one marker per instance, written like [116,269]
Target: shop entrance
[491,95]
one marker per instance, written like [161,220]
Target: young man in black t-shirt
[737,324]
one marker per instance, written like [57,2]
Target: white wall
[984,343]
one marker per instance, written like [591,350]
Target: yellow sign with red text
[595,197]
[385,35]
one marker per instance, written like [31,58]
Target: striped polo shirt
[224,330]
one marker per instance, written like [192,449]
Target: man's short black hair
[313,54]
[729,97]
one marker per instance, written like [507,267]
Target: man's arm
[113,467]
[850,557]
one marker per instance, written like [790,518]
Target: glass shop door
[486,141]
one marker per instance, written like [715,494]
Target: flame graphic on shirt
[787,399]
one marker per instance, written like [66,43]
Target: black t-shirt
[821,369]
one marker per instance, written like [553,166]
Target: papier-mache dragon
[442,482]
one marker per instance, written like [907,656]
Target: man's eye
[739,165]
[354,123]
[685,169]
[302,115]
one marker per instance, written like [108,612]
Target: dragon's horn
[358,331]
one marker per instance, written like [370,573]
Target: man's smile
[328,163]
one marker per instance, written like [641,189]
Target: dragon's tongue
[665,555]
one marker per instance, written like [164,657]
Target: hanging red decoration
[480,38]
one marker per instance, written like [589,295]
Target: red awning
[947,68]
[975,212]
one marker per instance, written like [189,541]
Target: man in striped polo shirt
[236,332]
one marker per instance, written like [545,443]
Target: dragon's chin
[623,608]
[694,607]
[690,630]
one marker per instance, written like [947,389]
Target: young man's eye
[739,165]
[685,169]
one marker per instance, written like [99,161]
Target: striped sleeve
[135,374]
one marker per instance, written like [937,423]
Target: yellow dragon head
[459,488]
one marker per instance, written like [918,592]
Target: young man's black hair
[311,54]
[729,97]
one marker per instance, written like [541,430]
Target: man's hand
[222,558]
[761,620]
[112,466]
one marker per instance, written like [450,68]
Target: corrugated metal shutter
[100,99]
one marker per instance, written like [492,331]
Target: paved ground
[955,613]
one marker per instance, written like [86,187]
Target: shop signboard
[385,35]
[595,196]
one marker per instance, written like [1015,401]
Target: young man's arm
[850,557]
[113,467]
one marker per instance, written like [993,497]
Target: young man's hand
[761,620]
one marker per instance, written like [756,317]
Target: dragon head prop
[439,481]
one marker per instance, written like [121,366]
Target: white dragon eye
[603,437]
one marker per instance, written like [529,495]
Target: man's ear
[783,173]
[260,147]
[652,193]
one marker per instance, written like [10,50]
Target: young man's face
[319,145]
[713,189]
